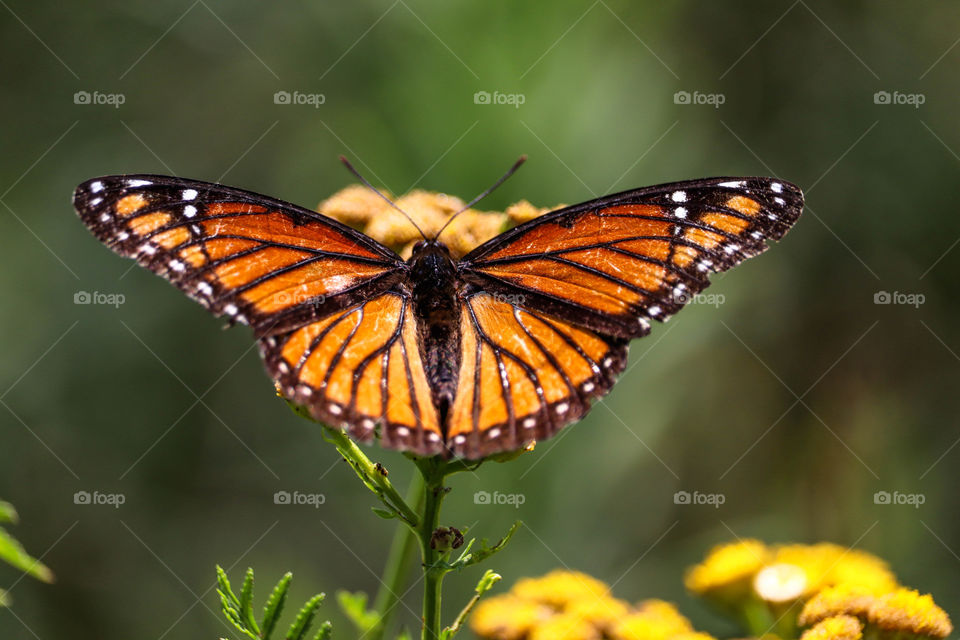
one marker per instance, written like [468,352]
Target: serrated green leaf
[13,553]
[486,583]
[326,629]
[271,611]
[305,618]
[486,551]
[8,513]
[246,602]
[224,583]
[384,513]
[234,619]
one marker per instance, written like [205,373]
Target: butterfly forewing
[614,263]
[260,261]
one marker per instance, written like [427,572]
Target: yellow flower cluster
[568,605]
[843,593]
[901,610]
[785,573]
[364,210]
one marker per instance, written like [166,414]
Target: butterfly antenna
[385,198]
[503,178]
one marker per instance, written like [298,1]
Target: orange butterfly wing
[553,302]
[359,368]
[257,260]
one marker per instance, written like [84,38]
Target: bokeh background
[796,399]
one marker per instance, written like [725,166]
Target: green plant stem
[434,471]
[396,568]
[372,476]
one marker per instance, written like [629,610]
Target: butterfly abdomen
[433,280]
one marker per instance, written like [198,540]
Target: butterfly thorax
[434,282]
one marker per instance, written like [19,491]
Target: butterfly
[437,355]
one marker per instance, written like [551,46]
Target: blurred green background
[796,399]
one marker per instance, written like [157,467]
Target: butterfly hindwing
[257,260]
[361,368]
[524,375]
[613,264]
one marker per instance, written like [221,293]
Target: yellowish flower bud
[835,628]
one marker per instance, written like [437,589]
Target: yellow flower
[905,610]
[727,565]
[361,208]
[507,617]
[354,205]
[826,564]
[603,612]
[835,628]
[561,588]
[843,599]
[523,211]
[653,620]
[781,582]
[565,627]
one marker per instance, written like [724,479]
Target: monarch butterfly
[436,355]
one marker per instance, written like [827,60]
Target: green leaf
[384,513]
[326,629]
[487,581]
[354,605]
[245,603]
[404,635]
[305,618]
[486,551]
[271,612]
[8,513]
[13,553]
